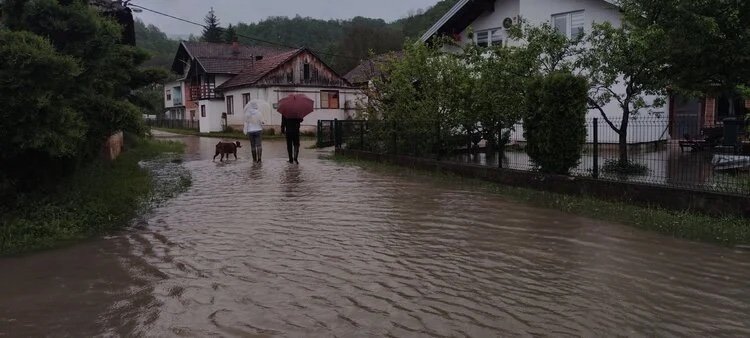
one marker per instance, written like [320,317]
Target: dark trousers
[292,144]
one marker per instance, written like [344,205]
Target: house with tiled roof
[369,69]
[218,80]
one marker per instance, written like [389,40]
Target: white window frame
[569,16]
[245,99]
[495,37]
[230,104]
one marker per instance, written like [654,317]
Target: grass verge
[229,135]
[729,231]
[100,197]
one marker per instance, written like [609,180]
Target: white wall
[212,121]
[539,11]
[272,95]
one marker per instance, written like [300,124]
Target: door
[687,113]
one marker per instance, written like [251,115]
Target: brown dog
[226,148]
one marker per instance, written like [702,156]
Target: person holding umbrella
[290,128]
[293,109]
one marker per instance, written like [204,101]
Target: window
[203,110]
[169,95]
[245,99]
[306,71]
[192,114]
[569,24]
[230,105]
[329,99]
[489,37]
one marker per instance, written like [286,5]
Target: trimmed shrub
[555,121]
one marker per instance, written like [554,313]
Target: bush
[554,124]
[269,132]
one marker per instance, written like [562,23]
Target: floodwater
[321,249]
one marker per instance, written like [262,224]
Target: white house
[489,21]
[174,100]
[219,79]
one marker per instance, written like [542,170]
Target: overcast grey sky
[233,11]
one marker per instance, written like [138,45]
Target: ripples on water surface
[322,249]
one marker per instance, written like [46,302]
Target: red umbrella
[296,106]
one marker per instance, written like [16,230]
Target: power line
[240,35]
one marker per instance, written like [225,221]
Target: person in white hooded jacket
[254,130]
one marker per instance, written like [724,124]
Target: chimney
[235,48]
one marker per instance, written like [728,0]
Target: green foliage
[431,102]
[553,50]
[705,45]
[160,47]
[230,34]
[212,32]
[77,81]
[416,23]
[99,197]
[42,119]
[555,124]
[498,96]
[622,67]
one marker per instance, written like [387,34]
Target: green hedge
[555,121]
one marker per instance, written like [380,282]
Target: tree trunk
[623,133]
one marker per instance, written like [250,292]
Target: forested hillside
[341,43]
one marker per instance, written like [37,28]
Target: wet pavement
[322,249]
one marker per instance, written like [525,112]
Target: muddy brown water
[323,249]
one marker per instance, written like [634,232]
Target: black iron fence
[174,124]
[715,159]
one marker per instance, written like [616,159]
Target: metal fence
[173,124]
[716,159]
[325,133]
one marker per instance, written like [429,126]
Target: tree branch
[596,106]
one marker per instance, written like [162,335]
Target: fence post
[595,172]
[319,134]
[336,134]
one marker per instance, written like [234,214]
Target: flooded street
[322,249]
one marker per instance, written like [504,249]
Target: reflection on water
[321,249]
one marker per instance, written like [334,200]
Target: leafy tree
[552,50]
[498,98]
[405,110]
[212,32]
[97,93]
[705,45]
[622,68]
[42,120]
[230,34]
[555,121]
